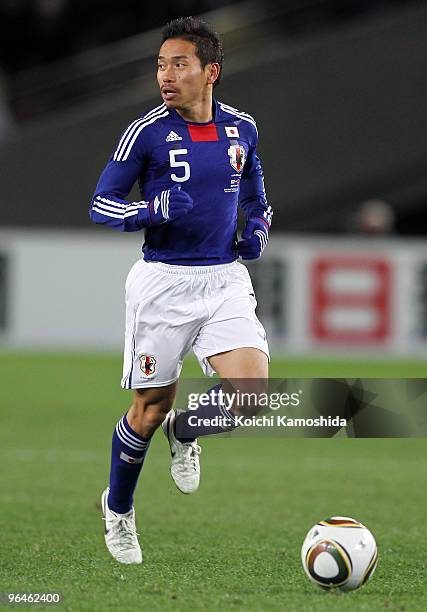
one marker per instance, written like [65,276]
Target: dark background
[339,91]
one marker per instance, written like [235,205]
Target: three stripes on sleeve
[115,212]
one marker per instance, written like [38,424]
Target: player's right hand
[169,205]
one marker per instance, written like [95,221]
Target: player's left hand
[254,239]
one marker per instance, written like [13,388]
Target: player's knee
[145,418]
[149,420]
[149,408]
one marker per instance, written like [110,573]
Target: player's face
[180,75]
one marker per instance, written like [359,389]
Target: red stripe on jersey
[203,133]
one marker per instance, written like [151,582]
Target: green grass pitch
[234,545]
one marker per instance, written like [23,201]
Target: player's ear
[212,73]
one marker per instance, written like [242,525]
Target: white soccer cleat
[120,533]
[185,465]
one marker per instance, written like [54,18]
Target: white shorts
[170,309]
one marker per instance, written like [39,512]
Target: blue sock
[186,432]
[127,457]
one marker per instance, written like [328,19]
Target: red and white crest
[237,155]
[147,364]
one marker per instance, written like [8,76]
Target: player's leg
[243,370]
[155,337]
[232,340]
[244,362]
[131,439]
[149,408]
[233,344]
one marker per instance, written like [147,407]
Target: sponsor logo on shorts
[147,364]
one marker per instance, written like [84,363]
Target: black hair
[206,40]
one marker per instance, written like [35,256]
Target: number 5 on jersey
[174,163]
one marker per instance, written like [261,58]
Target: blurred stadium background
[339,91]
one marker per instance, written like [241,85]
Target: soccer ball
[339,552]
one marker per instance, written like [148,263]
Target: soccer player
[195,160]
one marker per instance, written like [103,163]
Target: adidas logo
[172,136]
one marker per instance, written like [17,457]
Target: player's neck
[200,112]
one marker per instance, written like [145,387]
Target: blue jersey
[215,163]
